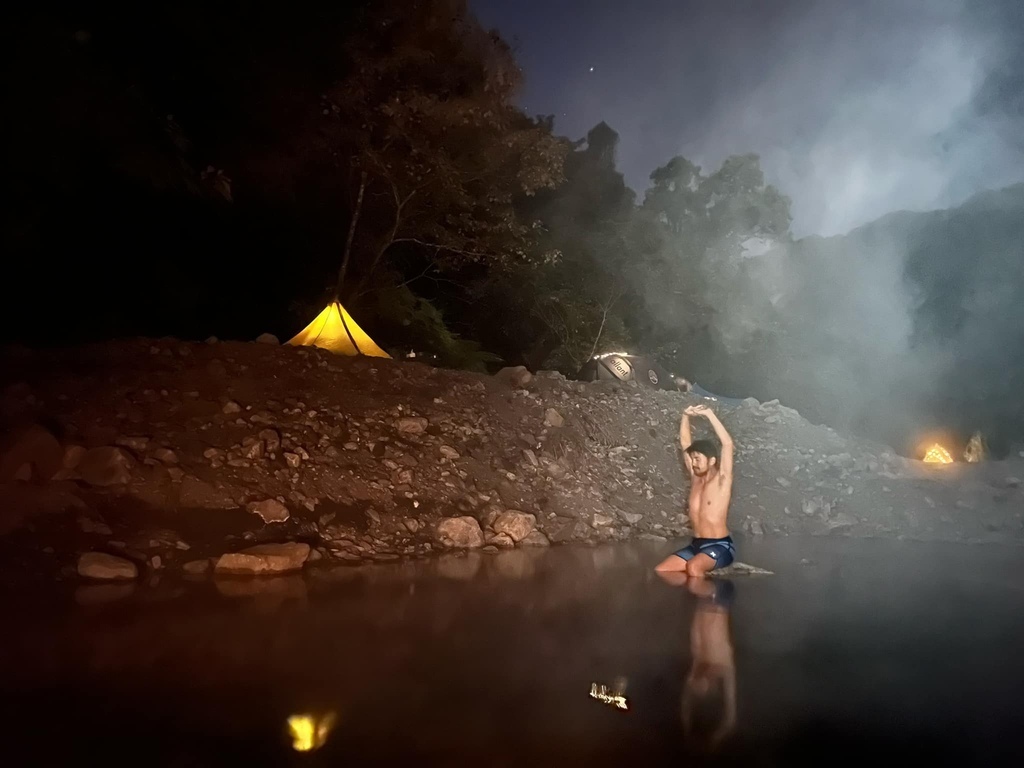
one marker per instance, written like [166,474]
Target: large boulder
[30,453]
[460,533]
[263,560]
[104,567]
[107,465]
[515,524]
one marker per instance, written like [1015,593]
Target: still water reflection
[852,651]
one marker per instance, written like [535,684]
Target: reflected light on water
[310,732]
[615,697]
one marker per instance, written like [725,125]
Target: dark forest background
[195,169]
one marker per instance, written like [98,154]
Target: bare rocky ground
[125,459]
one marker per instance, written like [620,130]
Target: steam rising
[857,110]
[864,109]
[871,107]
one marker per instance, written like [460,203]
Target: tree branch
[438,246]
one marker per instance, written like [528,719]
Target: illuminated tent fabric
[336,331]
[642,370]
[699,390]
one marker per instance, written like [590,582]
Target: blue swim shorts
[722,551]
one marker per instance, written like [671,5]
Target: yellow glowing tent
[335,330]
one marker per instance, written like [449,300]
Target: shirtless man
[710,491]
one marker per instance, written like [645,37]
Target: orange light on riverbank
[310,732]
[937,455]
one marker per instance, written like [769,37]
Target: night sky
[856,108]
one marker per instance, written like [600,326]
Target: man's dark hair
[706,447]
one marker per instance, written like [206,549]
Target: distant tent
[336,331]
[621,367]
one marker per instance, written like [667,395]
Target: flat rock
[104,567]
[460,532]
[271,510]
[264,559]
[739,569]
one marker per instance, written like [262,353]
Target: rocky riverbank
[256,458]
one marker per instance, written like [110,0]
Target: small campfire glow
[937,455]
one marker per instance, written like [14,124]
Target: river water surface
[854,650]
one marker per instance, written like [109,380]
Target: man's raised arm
[725,463]
[686,440]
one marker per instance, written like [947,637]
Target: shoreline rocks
[372,459]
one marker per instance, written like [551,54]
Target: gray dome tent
[620,367]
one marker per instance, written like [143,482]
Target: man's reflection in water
[709,690]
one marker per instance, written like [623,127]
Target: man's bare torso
[709,505]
